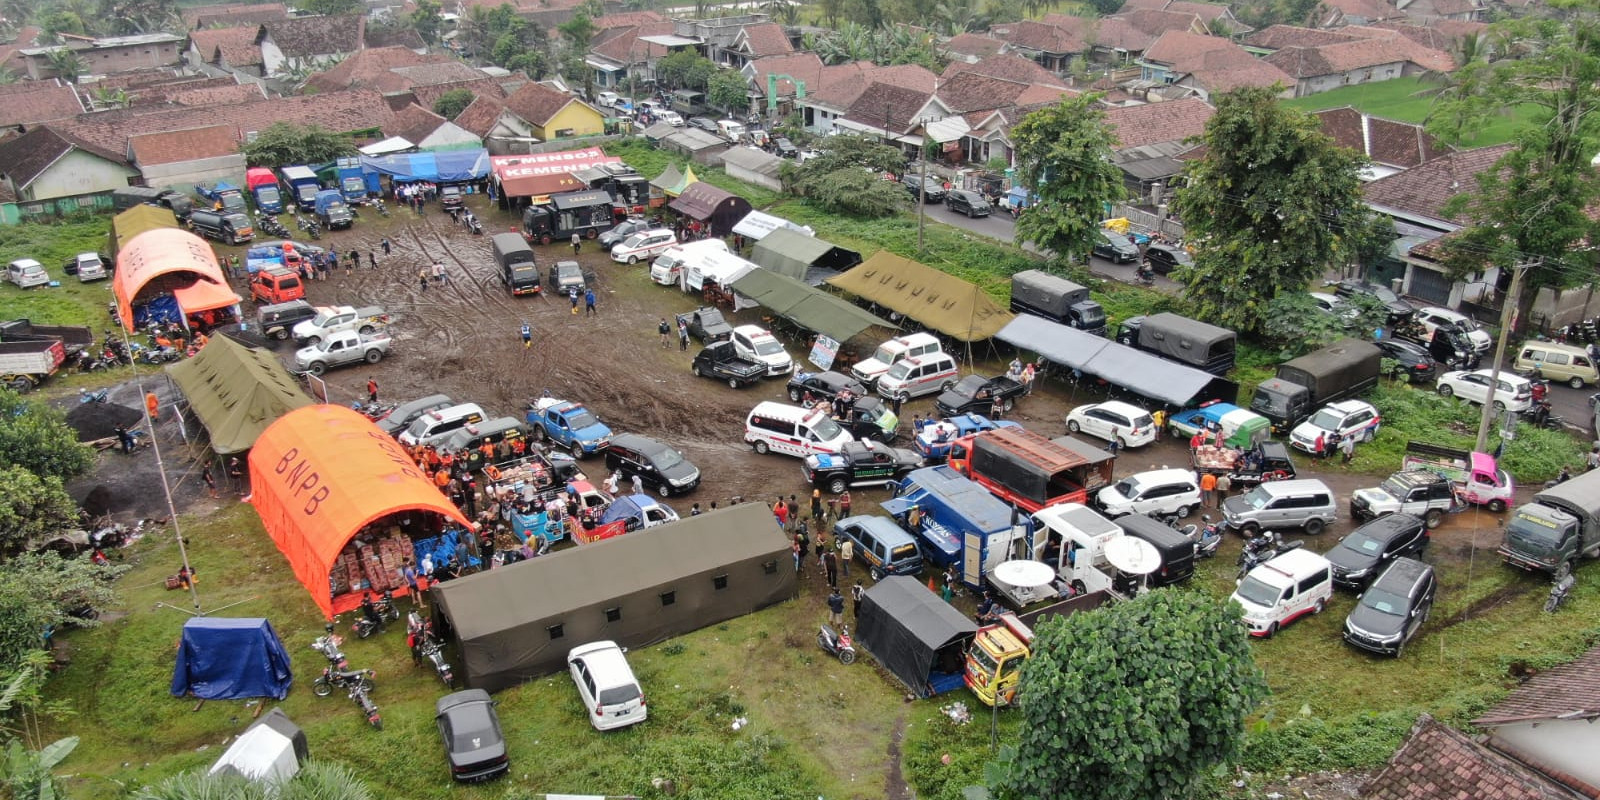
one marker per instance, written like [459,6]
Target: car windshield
[582,419]
[900,370]
[1533,529]
[1327,420]
[1384,294]
[767,347]
[1270,403]
[1128,487]
[986,662]
[826,429]
[1256,498]
[617,695]
[1258,593]
[322,318]
[634,240]
[667,458]
[419,427]
[268,194]
[1362,543]
[1394,487]
[471,727]
[884,355]
[1384,602]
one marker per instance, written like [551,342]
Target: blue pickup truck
[569,425]
[934,439]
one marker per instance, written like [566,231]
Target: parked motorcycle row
[358,684]
[271,226]
[1585,332]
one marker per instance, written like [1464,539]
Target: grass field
[1408,100]
[71,303]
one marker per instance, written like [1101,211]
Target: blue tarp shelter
[224,659]
[445,166]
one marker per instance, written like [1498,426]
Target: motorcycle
[328,645]
[343,679]
[382,209]
[1263,548]
[474,224]
[386,608]
[433,650]
[1207,537]
[359,694]
[86,396]
[1145,276]
[1559,590]
[837,643]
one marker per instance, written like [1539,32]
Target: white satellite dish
[1133,556]
[1024,574]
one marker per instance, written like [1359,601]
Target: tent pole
[166,486]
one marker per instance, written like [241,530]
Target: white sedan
[1514,391]
[1128,424]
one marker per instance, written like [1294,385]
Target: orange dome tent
[164,260]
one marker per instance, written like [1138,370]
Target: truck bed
[75,337]
[38,357]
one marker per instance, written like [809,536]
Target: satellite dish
[1025,574]
[1133,556]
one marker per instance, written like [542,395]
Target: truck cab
[1042,294]
[1560,527]
[994,662]
[1030,471]
[332,210]
[1477,477]
[263,187]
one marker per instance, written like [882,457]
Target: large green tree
[1272,206]
[847,177]
[287,143]
[1064,155]
[729,91]
[32,508]
[329,7]
[40,591]
[685,69]
[452,103]
[36,438]
[427,19]
[1533,206]
[1136,701]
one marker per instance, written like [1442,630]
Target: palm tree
[27,773]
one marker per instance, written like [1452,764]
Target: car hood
[1376,498]
[597,431]
[1344,559]
[681,472]
[1235,506]
[1374,622]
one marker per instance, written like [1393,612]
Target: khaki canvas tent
[236,392]
[518,622]
[915,635]
[717,208]
[806,306]
[936,299]
[807,258]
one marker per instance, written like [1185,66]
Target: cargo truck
[587,214]
[1042,294]
[352,185]
[30,353]
[1556,530]
[225,198]
[301,185]
[263,186]
[1030,471]
[332,211]
[178,203]
[1340,371]
[956,521]
[1178,338]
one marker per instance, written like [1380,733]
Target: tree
[578,30]
[685,69]
[1137,701]
[426,19]
[66,64]
[36,438]
[1297,325]
[43,591]
[32,508]
[452,103]
[1271,207]
[1532,206]
[846,179]
[729,91]
[531,62]
[286,143]
[316,780]
[329,8]
[1063,154]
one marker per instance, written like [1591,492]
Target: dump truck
[30,353]
[1178,338]
[1030,471]
[1560,527]
[1055,298]
[263,186]
[995,659]
[1340,371]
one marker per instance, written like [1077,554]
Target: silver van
[1307,504]
[432,427]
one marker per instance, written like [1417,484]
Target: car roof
[1289,566]
[884,528]
[1295,486]
[1350,406]
[1439,311]
[1419,477]
[1118,405]
[1401,574]
[1164,475]
[1387,526]
[634,441]
[752,330]
[607,664]
[461,698]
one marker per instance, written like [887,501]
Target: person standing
[572,294]
[372,259]
[844,504]
[1111,443]
[1159,417]
[422,278]
[830,565]
[816,506]
[372,390]
[1347,446]
[210,481]
[664,330]
[527,335]
[847,552]
[683,336]
[1208,490]
[836,607]
[780,510]
[385,245]
[798,549]
[856,593]
[1028,374]
[236,474]
[588,303]
[1224,483]
[577,243]
[638,484]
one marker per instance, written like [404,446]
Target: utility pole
[1507,312]
[922,191]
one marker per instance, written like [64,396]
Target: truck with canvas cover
[301,185]
[1556,530]
[332,211]
[224,197]
[956,521]
[1026,469]
[1478,479]
[177,202]
[352,185]
[586,213]
[1178,338]
[1055,298]
[518,268]
[1342,370]
[263,186]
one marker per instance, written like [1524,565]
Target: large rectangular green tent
[807,306]
[936,299]
[236,392]
[789,252]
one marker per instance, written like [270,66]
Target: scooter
[1144,275]
[1559,590]
[386,608]
[433,650]
[342,679]
[1207,537]
[365,626]
[837,643]
[328,645]
[474,224]
[86,396]
[360,695]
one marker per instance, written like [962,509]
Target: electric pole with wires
[1508,318]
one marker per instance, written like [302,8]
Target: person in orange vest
[441,479]
[152,403]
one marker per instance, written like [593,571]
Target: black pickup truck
[720,361]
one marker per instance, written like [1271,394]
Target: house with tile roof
[1124,37]
[889,112]
[1052,44]
[11,52]
[227,94]
[1219,19]
[549,114]
[1334,65]
[232,15]
[1389,145]
[1153,138]
[968,114]
[843,85]
[971,47]
[1548,724]
[1207,65]
[716,35]
[785,74]
[757,41]
[187,157]
[225,51]
[1339,13]
[374,68]
[1446,35]
[106,55]
[1437,762]
[38,101]
[1423,12]
[1006,66]
[429,131]
[44,164]
[621,56]
[308,43]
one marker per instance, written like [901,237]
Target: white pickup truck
[339,349]
[333,319]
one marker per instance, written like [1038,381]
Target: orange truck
[1030,471]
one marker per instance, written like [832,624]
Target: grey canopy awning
[1064,345]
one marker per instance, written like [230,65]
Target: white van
[644,246]
[667,269]
[754,343]
[717,268]
[910,346]
[433,426]
[918,375]
[793,431]
[1284,589]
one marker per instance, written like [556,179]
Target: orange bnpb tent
[163,260]
[319,475]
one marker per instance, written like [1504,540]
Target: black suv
[962,201]
[1116,248]
[823,386]
[1399,309]
[1393,608]
[278,320]
[975,394]
[1412,361]
[658,466]
[1362,552]
[929,189]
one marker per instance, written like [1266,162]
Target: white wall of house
[1567,745]
[1325,83]
[183,175]
[76,173]
[272,58]
[449,135]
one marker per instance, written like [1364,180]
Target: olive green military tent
[806,306]
[789,252]
[236,392]
[936,299]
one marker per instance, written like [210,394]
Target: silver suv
[1307,504]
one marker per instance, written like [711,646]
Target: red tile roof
[219,95]
[307,37]
[444,70]
[1276,37]
[236,46]
[1151,23]
[1425,189]
[1058,39]
[1570,691]
[480,115]
[1438,763]
[1332,59]
[483,86]
[24,158]
[406,37]
[888,107]
[1215,63]
[1009,66]
[977,45]
[369,68]
[625,47]
[1440,34]
[1387,142]
[252,14]
[49,101]
[414,124]
[1367,10]
[805,67]
[177,146]
[1158,123]
[764,39]
[626,19]
[537,103]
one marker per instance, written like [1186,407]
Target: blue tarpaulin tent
[223,659]
[446,166]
